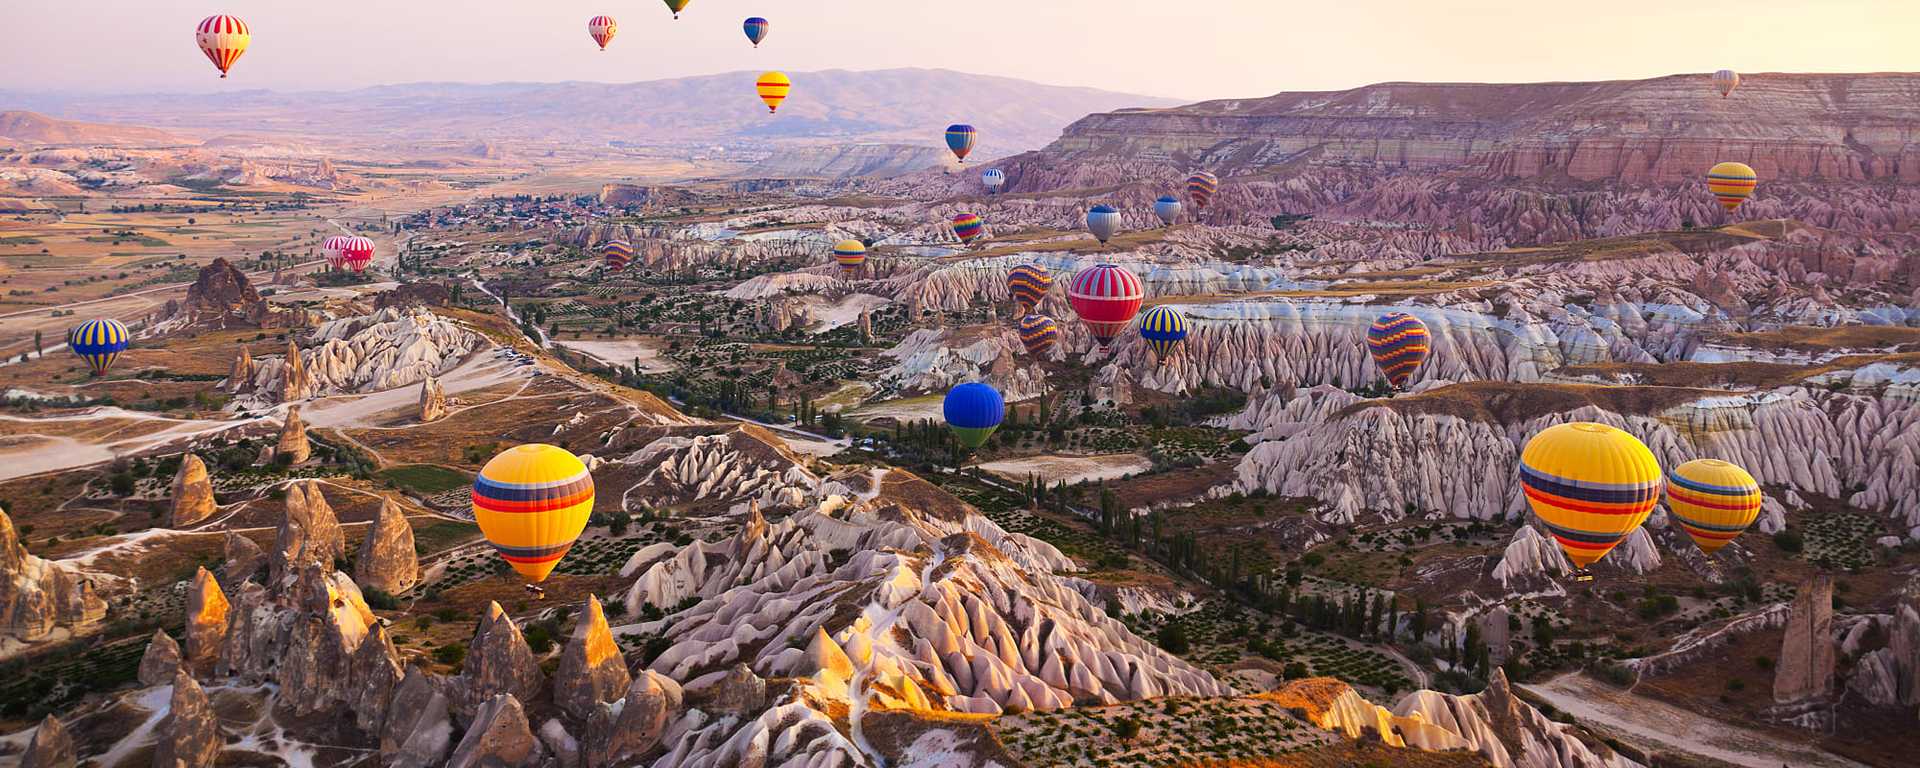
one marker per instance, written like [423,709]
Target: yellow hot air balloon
[773,89]
[1713,501]
[531,502]
[1590,484]
[1732,184]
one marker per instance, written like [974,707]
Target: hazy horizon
[1255,47]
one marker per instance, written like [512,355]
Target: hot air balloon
[974,410]
[335,250]
[1590,484]
[1028,284]
[1167,208]
[98,342]
[1713,501]
[1106,296]
[223,38]
[1726,80]
[968,227]
[850,254]
[1201,186]
[773,88]
[960,139]
[1038,333]
[531,502]
[677,6]
[994,178]
[1103,221]
[1732,184]
[757,29]
[357,253]
[618,253]
[602,29]
[1399,343]
[1163,327]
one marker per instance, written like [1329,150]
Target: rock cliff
[387,560]
[39,596]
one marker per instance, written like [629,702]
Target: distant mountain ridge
[38,129]
[896,105]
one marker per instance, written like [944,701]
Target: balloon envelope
[850,254]
[1726,80]
[602,30]
[99,342]
[532,501]
[1163,327]
[1399,343]
[1106,296]
[357,253]
[973,411]
[1590,484]
[773,87]
[1732,184]
[968,227]
[1713,501]
[618,253]
[756,29]
[223,38]
[994,178]
[960,138]
[1201,186]
[1038,333]
[1028,284]
[1167,208]
[677,6]
[335,250]
[1103,221]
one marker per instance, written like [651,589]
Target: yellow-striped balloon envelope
[1713,501]
[531,502]
[1590,484]
[1732,184]
[773,88]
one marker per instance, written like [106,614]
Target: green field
[424,479]
[441,535]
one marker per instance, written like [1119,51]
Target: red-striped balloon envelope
[357,253]
[1106,296]
[335,250]
[222,38]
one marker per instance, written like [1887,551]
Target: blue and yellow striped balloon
[960,139]
[1037,333]
[1163,327]
[99,342]
[1713,501]
[1399,343]
[532,501]
[1590,484]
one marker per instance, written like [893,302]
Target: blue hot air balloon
[756,28]
[960,138]
[1167,208]
[1163,327]
[974,410]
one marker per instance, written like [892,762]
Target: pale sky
[1192,49]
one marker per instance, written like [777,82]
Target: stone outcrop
[207,608]
[295,383]
[737,691]
[51,747]
[418,726]
[160,661]
[292,447]
[592,669]
[387,560]
[498,662]
[391,348]
[420,294]
[243,560]
[222,297]
[309,534]
[1508,732]
[1890,676]
[1804,671]
[617,734]
[240,378]
[39,596]
[500,737]
[433,400]
[374,675]
[189,734]
[192,493]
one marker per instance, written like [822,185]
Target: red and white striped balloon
[335,250]
[602,28]
[223,38]
[1106,296]
[357,253]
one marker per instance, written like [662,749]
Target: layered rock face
[393,347]
[38,596]
[309,534]
[387,560]
[935,359]
[433,400]
[847,161]
[1805,669]
[1508,732]
[192,493]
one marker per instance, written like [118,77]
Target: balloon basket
[536,591]
[1582,576]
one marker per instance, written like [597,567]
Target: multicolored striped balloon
[677,6]
[973,411]
[1028,284]
[1726,80]
[1201,186]
[1713,501]
[1590,484]
[618,253]
[357,253]
[1732,183]
[1167,208]
[994,178]
[1106,296]
[960,138]
[99,342]
[850,254]
[223,38]
[757,29]
[1399,343]
[532,501]
[602,30]
[1103,221]
[1163,327]
[968,227]
[1038,333]
[773,87]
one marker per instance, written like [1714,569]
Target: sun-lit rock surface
[192,493]
[37,596]
[394,347]
[387,560]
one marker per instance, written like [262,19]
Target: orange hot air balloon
[223,38]
[773,88]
